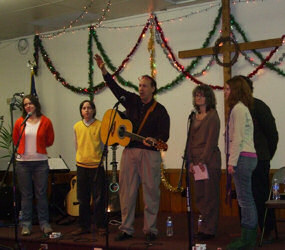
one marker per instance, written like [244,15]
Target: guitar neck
[134,136]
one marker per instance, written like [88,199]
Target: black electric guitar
[121,131]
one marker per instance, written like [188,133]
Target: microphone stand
[188,187]
[105,154]
[15,203]
[14,103]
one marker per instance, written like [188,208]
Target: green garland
[92,90]
[258,54]
[108,61]
[179,78]
[91,66]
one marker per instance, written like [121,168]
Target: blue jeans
[242,180]
[33,176]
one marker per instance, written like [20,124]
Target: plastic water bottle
[275,190]
[169,227]
[200,220]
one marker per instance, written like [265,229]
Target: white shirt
[240,133]
[31,154]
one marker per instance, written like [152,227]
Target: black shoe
[198,235]
[123,236]
[204,236]
[80,231]
[150,236]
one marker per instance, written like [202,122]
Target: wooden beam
[227,48]
[242,46]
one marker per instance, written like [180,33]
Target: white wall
[259,19]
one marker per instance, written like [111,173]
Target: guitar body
[121,131]
[120,126]
[72,204]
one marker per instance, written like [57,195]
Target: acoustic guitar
[121,131]
[72,204]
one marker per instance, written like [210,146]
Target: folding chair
[279,204]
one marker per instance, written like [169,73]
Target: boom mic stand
[105,154]
[188,187]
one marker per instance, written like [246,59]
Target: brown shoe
[80,231]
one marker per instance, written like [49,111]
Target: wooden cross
[228,48]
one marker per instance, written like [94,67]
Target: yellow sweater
[89,151]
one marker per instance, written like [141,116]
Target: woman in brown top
[203,152]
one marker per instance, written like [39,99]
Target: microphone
[191,115]
[19,94]
[121,99]
[27,117]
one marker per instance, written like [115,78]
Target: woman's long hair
[209,94]
[35,101]
[240,92]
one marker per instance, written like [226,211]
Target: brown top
[203,141]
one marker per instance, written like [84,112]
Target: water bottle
[169,227]
[275,190]
[200,220]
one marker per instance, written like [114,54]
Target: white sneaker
[47,229]
[26,231]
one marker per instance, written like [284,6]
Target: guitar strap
[151,108]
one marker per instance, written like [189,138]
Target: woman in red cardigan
[32,162]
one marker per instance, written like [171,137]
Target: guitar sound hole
[121,132]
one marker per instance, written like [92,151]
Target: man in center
[140,161]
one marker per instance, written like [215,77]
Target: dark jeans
[87,186]
[260,190]
[35,173]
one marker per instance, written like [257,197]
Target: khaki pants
[139,166]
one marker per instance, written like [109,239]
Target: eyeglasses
[28,103]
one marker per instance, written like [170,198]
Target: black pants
[87,186]
[260,189]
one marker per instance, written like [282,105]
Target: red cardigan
[45,135]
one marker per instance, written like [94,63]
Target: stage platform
[227,231]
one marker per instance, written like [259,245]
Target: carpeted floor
[228,229]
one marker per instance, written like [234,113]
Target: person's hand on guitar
[158,144]
[150,142]
[100,63]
